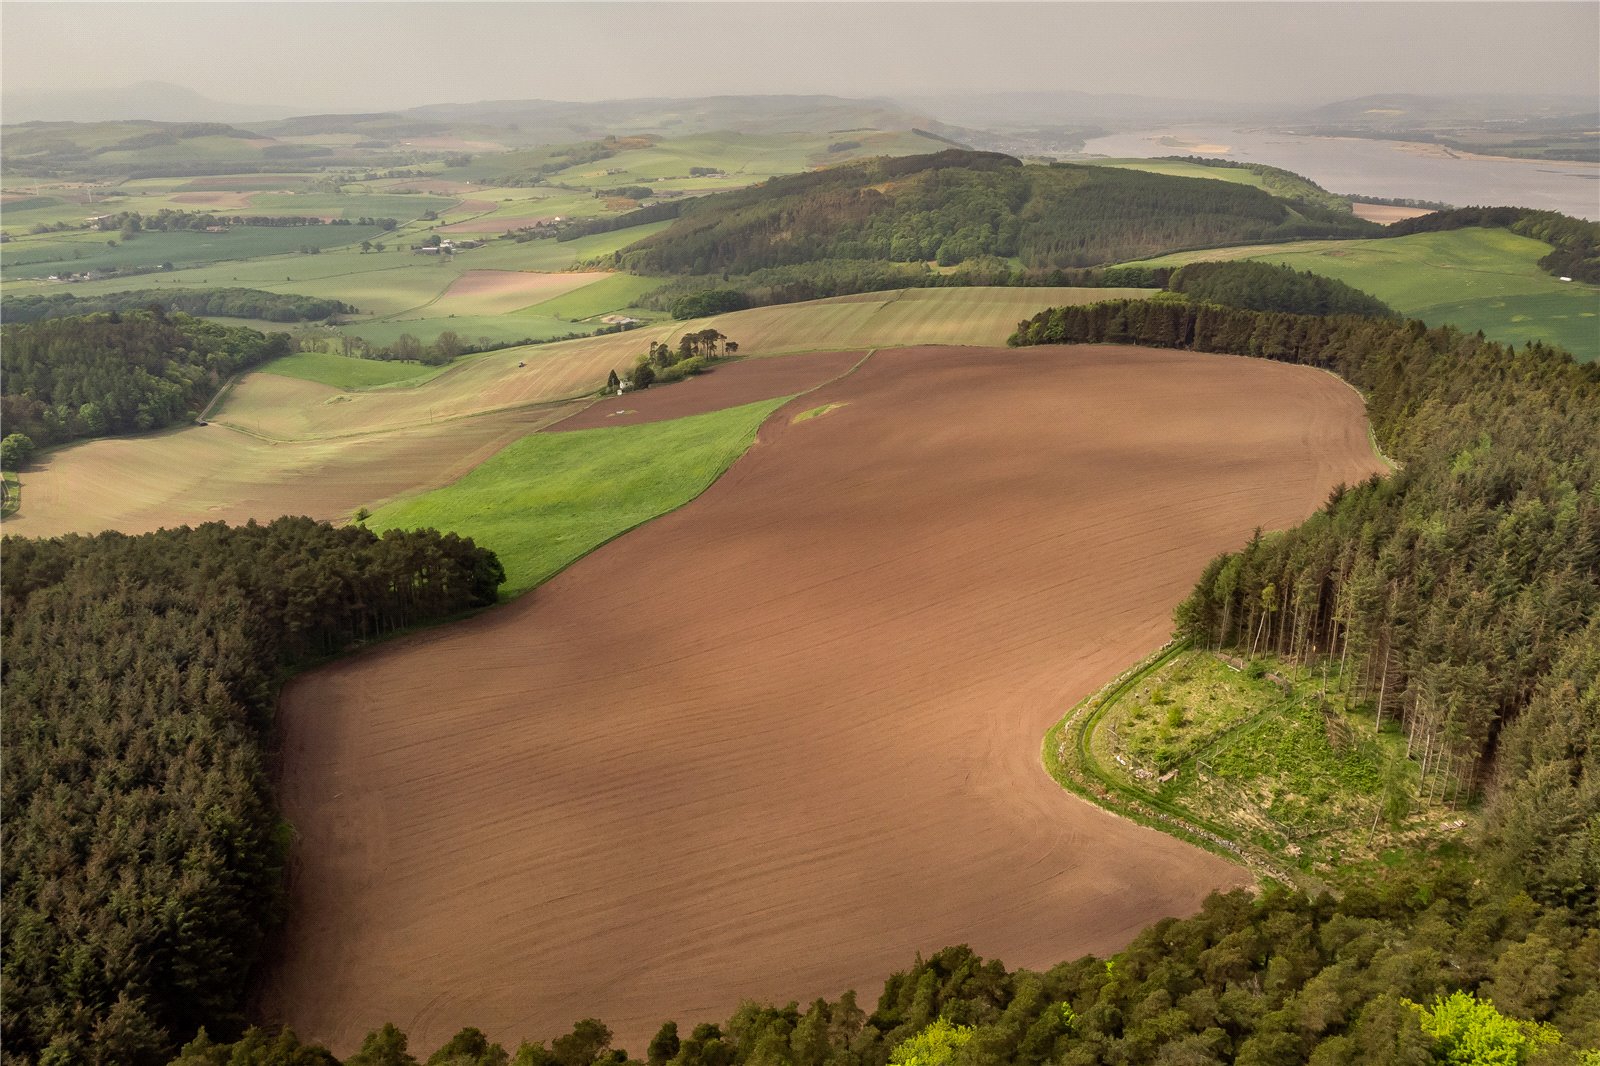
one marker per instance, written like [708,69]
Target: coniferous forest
[143,862]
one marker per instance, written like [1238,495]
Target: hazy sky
[370,56]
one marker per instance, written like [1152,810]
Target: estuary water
[1353,165]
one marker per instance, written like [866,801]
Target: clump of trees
[1273,287]
[694,352]
[93,375]
[143,864]
[216,303]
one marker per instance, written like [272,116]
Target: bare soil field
[773,744]
[211,473]
[732,385]
[1385,214]
[496,292]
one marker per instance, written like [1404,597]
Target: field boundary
[1069,759]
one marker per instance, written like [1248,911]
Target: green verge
[547,500]
[13,498]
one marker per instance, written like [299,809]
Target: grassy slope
[1473,278]
[549,499]
[613,294]
[346,373]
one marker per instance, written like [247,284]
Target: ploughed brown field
[773,744]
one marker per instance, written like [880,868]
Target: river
[1379,168]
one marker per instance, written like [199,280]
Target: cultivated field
[1474,278]
[278,409]
[145,482]
[211,473]
[775,742]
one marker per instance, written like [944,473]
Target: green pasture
[344,372]
[1473,278]
[614,294]
[1176,169]
[80,252]
[385,283]
[547,500]
[472,329]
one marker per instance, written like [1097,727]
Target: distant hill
[156,101]
[956,206]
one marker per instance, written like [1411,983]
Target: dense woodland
[1576,252]
[218,303]
[1273,287]
[1421,968]
[89,376]
[957,205]
[143,862]
[1461,595]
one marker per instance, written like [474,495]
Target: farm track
[774,743]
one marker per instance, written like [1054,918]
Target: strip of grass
[551,498]
[347,372]
[599,298]
[13,498]
[816,412]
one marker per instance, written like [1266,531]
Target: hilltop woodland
[143,862]
[957,205]
[113,373]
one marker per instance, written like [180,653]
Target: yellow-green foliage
[934,1046]
[1467,1031]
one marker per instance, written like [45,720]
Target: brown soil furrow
[773,744]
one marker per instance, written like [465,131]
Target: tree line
[698,297]
[1460,596]
[111,373]
[1425,966]
[144,860]
[217,303]
[955,205]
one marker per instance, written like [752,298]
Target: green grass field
[549,499]
[343,372]
[472,329]
[1474,278]
[77,253]
[611,295]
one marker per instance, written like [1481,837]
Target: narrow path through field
[773,744]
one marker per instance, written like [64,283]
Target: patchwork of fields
[285,436]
